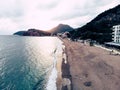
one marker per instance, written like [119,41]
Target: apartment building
[116,34]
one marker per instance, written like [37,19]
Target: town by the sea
[28,63]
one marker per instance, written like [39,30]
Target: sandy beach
[89,68]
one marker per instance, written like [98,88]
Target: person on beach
[111,52]
[55,50]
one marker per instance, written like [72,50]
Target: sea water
[28,63]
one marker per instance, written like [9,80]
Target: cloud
[48,6]
[45,14]
[84,10]
[108,6]
[79,8]
[10,8]
[7,26]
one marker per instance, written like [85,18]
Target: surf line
[51,85]
[66,76]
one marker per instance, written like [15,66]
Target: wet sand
[89,68]
[63,75]
[66,76]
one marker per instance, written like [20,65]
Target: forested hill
[99,28]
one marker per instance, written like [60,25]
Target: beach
[88,68]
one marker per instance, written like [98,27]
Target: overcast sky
[18,15]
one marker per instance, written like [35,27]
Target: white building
[116,33]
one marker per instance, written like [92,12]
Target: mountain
[60,28]
[33,32]
[100,28]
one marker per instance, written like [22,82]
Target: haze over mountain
[44,14]
[61,28]
[100,28]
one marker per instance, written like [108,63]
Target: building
[64,35]
[116,34]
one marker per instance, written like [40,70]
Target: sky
[17,15]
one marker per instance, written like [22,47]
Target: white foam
[52,79]
[51,85]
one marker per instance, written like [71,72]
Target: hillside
[100,28]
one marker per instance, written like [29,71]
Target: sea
[28,63]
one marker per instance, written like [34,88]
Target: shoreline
[64,79]
[66,76]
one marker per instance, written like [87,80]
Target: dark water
[26,62]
